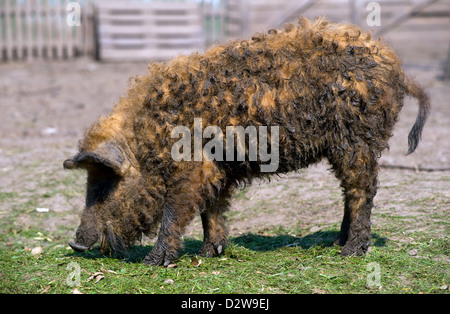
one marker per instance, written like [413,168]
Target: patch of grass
[7,195]
[242,194]
[410,251]
[252,263]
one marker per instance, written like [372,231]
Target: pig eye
[102,181]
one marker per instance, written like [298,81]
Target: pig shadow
[264,243]
[254,242]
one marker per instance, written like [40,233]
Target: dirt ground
[45,107]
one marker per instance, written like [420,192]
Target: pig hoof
[210,249]
[159,258]
[341,239]
[155,260]
[352,249]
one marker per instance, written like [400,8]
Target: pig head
[121,202]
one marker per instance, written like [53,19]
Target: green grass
[270,263]
[410,251]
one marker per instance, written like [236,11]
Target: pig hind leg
[357,169]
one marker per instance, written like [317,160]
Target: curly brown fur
[334,92]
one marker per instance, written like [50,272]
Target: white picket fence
[32,29]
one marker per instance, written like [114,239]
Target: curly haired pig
[331,90]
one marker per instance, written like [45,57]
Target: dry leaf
[169,281]
[107,270]
[98,278]
[196,262]
[171,265]
[76,291]
[97,275]
[36,251]
[42,237]
[46,288]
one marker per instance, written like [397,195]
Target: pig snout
[78,247]
[86,236]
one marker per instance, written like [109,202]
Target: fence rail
[130,31]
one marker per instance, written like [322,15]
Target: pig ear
[108,155]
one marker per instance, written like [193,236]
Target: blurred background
[123,30]
[62,64]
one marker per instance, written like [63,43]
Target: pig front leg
[173,222]
[191,190]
